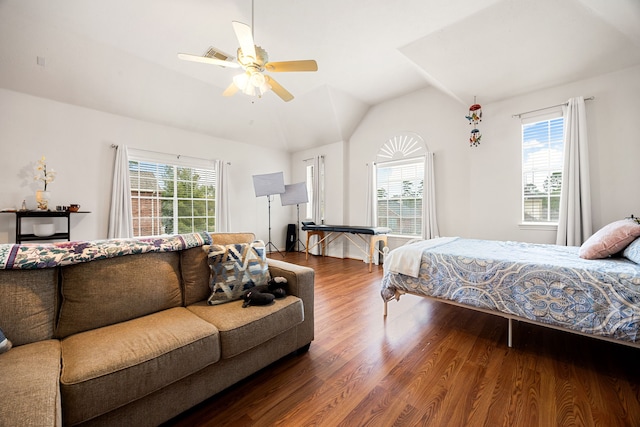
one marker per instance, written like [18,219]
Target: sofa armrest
[300,282]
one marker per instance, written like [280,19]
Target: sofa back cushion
[231,238]
[196,274]
[109,291]
[28,302]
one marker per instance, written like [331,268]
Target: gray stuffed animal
[265,294]
[5,344]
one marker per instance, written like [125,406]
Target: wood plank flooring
[427,364]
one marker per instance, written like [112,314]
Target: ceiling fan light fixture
[257,79]
[252,83]
[249,90]
[264,88]
[241,80]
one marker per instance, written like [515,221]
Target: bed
[328,233]
[548,285]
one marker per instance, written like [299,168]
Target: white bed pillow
[632,252]
[610,239]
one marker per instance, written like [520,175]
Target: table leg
[321,241]
[373,241]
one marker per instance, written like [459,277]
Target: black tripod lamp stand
[294,194]
[268,185]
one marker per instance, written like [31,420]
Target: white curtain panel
[574,224]
[371,216]
[318,197]
[318,190]
[429,218]
[222,197]
[120,216]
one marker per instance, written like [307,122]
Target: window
[399,187]
[399,184]
[542,162]
[171,198]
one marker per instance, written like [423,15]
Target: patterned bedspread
[543,283]
[31,256]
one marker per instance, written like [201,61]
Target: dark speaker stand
[270,243]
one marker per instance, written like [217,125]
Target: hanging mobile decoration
[474,117]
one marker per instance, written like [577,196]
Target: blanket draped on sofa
[33,256]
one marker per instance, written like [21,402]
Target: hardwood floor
[427,363]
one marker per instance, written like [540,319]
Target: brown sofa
[130,340]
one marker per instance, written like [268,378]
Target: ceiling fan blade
[245,39]
[285,66]
[230,90]
[206,60]
[279,90]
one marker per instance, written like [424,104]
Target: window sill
[541,226]
[403,236]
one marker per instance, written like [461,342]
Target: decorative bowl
[44,230]
[74,208]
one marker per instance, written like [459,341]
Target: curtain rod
[519,115]
[177,156]
[407,159]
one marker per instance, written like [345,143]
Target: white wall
[614,154]
[77,144]
[478,189]
[440,122]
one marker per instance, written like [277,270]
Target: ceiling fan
[254,61]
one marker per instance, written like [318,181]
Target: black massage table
[328,233]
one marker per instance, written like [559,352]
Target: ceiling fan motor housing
[256,63]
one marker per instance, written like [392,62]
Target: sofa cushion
[244,328]
[196,274]
[106,368]
[29,385]
[28,301]
[235,268]
[105,292]
[230,238]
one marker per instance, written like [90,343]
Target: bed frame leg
[510,333]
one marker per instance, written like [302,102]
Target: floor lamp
[268,185]
[294,194]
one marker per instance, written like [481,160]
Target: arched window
[399,184]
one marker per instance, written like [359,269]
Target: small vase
[43,197]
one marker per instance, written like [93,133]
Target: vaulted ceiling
[120,56]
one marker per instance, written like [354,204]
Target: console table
[26,237]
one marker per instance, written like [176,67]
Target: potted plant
[46,176]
